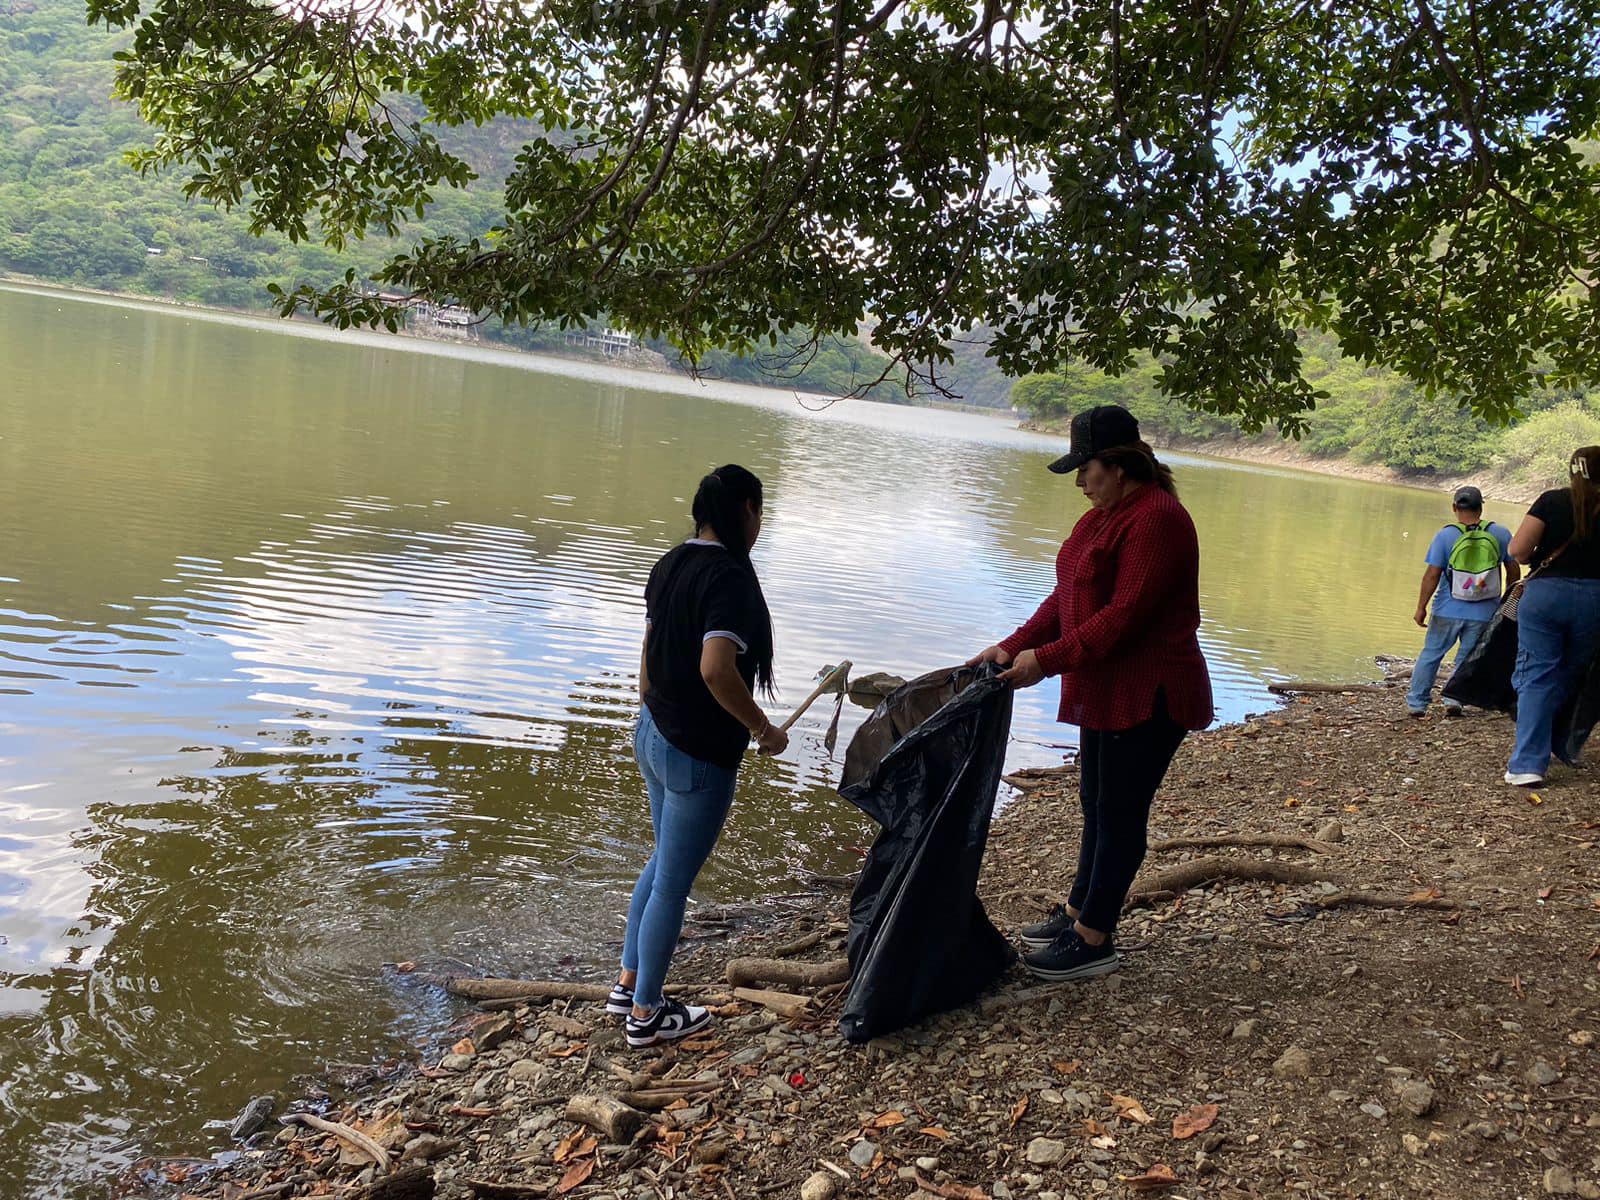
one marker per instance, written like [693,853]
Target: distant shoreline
[1288,455]
[552,359]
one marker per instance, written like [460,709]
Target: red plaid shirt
[1123,618]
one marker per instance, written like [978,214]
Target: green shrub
[1536,451]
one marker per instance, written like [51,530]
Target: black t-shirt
[696,592]
[1580,560]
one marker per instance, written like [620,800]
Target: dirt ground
[1416,1015]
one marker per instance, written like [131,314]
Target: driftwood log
[610,1116]
[752,972]
[785,1004]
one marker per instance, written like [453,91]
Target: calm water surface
[320,653]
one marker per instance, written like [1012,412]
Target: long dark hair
[1139,462]
[1585,467]
[719,504]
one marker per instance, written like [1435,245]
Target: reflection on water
[315,656]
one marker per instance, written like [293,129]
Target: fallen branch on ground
[749,972]
[1005,1000]
[798,946]
[344,1133]
[1283,841]
[658,1098]
[785,1004]
[1379,900]
[1161,884]
[1308,685]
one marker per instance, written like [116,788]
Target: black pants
[1118,774]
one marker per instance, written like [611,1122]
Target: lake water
[318,653]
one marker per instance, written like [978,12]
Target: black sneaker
[1037,937]
[1070,958]
[620,1002]
[673,1020]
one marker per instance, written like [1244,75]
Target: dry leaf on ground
[1158,1176]
[1197,1120]
[1129,1108]
[576,1174]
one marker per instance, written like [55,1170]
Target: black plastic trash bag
[1484,679]
[926,766]
[1578,716]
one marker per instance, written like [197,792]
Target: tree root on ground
[1160,885]
[1282,841]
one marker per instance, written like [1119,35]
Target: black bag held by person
[1484,679]
[1578,716]
[926,767]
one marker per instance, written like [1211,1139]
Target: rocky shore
[1356,965]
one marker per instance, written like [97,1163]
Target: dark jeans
[1118,774]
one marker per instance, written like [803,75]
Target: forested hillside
[72,211]
[1370,417]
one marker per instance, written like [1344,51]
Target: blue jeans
[1558,633]
[689,801]
[1443,632]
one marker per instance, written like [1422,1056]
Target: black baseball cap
[1468,497]
[1094,432]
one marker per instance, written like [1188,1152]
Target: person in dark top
[1558,617]
[707,645]
[1120,629]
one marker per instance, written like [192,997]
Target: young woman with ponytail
[1558,617]
[707,648]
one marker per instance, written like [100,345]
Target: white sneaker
[1524,779]
[673,1020]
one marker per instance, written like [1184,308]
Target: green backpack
[1475,563]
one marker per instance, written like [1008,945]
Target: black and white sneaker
[620,1002]
[673,1020]
[1070,958]
[1038,937]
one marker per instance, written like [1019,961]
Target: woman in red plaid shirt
[1120,630]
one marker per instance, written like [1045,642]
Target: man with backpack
[1463,577]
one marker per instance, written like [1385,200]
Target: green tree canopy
[1096,182]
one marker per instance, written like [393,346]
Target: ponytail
[719,505]
[1584,467]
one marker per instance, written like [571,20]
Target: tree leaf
[1197,1120]
[1158,1176]
[576,1174]
[1129,1109]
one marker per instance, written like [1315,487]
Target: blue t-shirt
[1444,604]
